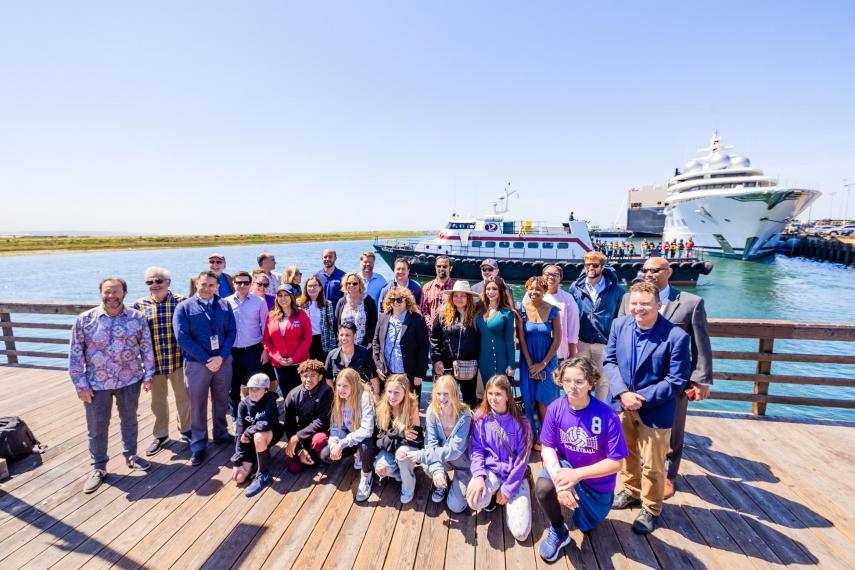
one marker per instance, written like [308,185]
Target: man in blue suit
[648,363]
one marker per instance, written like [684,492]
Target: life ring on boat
[430,259]
[687,265]
[708,267]
[696,266]
[637,266]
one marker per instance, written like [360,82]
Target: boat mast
[504,201]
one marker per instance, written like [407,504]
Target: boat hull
[742,225]
[686,271]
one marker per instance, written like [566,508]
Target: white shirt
[663,298]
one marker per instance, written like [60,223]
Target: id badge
[215,342]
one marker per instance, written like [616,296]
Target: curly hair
[584,364]
[409,300]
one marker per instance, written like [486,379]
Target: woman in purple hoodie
[498,453]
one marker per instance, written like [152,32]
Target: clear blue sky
[224,117]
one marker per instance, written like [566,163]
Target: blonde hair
[457,407]
[449,312]
[359,284]
[595,257]
[403,292]
[289,274]
[408,416]
[350,376]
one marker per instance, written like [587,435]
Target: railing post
[7,331]
[763,369]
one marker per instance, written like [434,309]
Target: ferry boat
[729,208]
[521,248]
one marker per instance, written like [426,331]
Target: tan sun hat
[461,287]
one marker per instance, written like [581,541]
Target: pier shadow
[68,538]
[699,447]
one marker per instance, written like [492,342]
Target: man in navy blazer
[648,363]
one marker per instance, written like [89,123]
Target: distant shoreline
[55,244]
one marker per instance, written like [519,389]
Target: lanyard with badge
[215,340]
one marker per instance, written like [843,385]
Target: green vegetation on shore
[55,244]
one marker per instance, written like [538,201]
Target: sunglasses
[262,284]
[487,269]
[652,269]
[594,265]
[352,284]
[153,281]
[242,282]
[215,261]
[396,299]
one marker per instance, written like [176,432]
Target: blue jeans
[98,413]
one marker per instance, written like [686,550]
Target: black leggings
[367,452]
[544,490]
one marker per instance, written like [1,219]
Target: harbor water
[776,288]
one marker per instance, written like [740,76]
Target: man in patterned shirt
[158,309]
[111,357]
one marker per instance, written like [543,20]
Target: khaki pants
[160,403]
[597,354]
[643,471]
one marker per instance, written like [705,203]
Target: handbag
[464,370]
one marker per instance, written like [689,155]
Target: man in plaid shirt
[158,309]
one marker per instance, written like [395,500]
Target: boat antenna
[504,200]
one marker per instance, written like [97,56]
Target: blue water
[778,288]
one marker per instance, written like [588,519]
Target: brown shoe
[670,488]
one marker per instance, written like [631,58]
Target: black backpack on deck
[16,439]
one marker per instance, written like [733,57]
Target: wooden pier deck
[754,492]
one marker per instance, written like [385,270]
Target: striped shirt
[167,353]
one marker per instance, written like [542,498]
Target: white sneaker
[357,462]
[364,490]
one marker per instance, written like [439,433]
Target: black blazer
[413,341]
[370,318]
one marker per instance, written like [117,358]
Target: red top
[294,343]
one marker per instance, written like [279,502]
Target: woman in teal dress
[496,321]
[540,337]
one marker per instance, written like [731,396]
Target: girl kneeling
[501,442]
[446,442]
[352,428]
[398,433]
[583,446]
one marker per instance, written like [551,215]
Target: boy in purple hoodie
[499,450]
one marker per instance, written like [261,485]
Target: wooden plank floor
[753,493]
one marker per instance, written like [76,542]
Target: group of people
[603,378]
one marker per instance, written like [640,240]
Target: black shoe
[186,436]
[155,446]
[197,458]
[644,523]
[624,500]
[228,438]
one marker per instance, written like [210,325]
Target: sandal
[305,458]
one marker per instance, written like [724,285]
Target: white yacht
[728,208]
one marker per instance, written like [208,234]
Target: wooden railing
[765,331]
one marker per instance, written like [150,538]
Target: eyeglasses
[262,284]
[594,265]
[555,275]
[244,283]
[215,261]
[653,269]
[396,299]
[157,280]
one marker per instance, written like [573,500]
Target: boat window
[504,244]
[548,245]
[476,243]
[508,228]
[750,184]
[518,245]
[563,245]
[489,244]
[460,226]
[533,245]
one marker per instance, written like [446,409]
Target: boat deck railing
[55,320]
[408,247]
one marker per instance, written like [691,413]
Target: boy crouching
[257,429]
